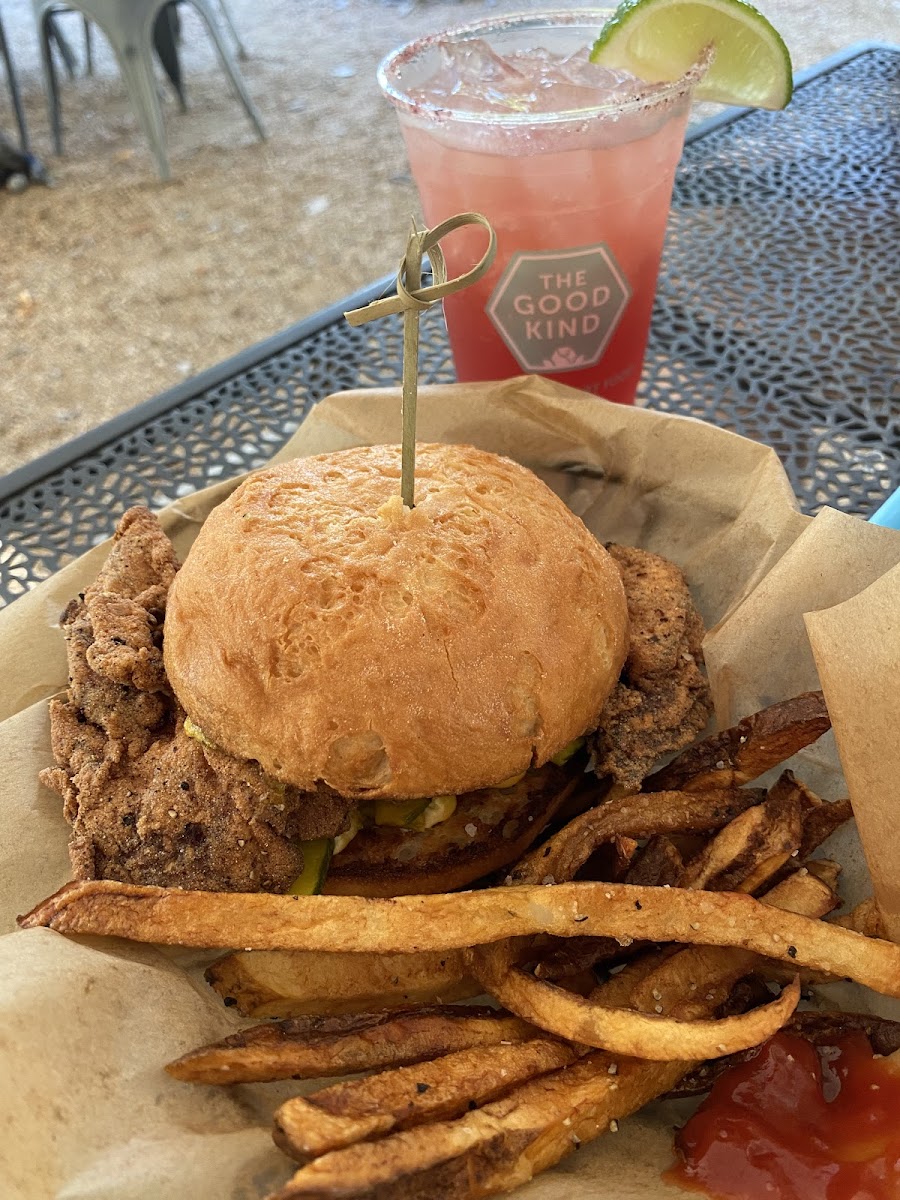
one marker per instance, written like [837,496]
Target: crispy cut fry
[296,983]
[682,974]
[864,919]
[509,1141]
[491,1149]
[658,864]
[560,857]
[820,1028]
[820,823]
[747,750]
[826,870]
[306,1127]
[639,1035]
[659,991]
[744,855]
[408,924]
[787,784]
[319,1047]
[750,849]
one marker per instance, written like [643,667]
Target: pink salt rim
[660,93]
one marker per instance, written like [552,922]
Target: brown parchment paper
[85,1024]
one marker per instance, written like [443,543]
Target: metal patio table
[776,317]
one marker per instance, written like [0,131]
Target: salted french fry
[296,983]
[410,924]
[864,919]
[656,992]
[321,1047]
[681,975]
[658,864]
[492,1149]
[756,744]
[504,1144]
[619,1030]
[820,823]
[750,849]
[744,855]
[559,858]
[826,870]
[360,1109]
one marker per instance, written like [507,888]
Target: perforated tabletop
[776,317]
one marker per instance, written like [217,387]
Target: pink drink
[573,165]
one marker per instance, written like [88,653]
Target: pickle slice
[316,860]
[561,757]
[402,813]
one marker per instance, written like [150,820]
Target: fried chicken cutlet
[147,803]
[662,700]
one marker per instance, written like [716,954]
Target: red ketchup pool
[797,1123]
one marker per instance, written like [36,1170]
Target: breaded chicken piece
[662,701]
[148,804]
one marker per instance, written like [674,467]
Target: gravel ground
[114,286]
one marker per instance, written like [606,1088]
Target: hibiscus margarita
[572,163]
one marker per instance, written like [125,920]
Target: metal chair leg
[51,85]
[88,48]
[165,43]
[229,65]
[229,21]
[65,50]
[137,73]
[14,92]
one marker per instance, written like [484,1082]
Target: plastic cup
[579,198]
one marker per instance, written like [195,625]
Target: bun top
[323,629]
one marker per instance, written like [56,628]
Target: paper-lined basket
[88,1023]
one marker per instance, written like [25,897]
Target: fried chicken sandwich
[335,691]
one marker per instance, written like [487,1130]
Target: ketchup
[795,1123]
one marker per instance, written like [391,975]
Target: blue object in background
[889,513]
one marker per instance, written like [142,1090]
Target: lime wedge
[658,40]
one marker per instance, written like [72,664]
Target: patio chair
[129,26]
[14,93]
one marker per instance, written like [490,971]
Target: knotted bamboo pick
[412,299]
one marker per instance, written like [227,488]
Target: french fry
[658,991]
[744,855]
[320,1047]
[681,974]
[820,817]
[788,785]
[657,864]
[826,870]
[756,744]
[494,1148]
[296,983]
[864,919]
[506,1143]
[306,1127]
[620,1031]
[822,822]
[410,924]
[559,858]
[751,848]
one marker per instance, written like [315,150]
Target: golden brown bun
[489,830]
[324,630]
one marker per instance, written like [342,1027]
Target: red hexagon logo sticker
[557,309]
